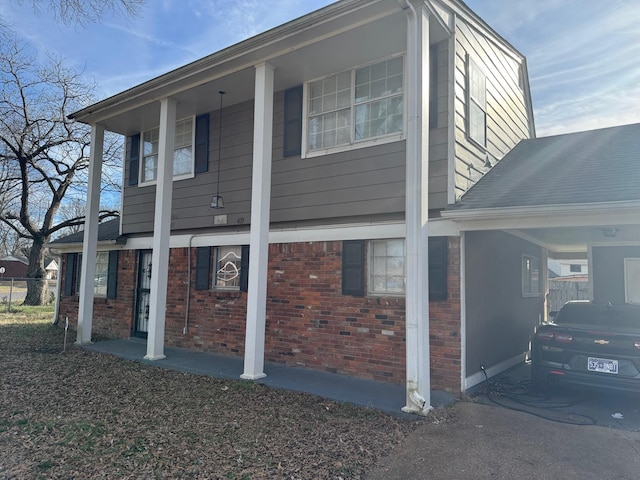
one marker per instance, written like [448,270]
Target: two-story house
[282,197]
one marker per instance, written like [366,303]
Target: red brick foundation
[309,321]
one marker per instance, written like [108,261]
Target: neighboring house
[339,141]
[51,269]
[569,268]
[14,266]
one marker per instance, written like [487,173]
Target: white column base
[154,358]
[246,376]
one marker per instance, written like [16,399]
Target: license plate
[603,365]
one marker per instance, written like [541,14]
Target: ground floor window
[227,268]
[632,280]
[531,280]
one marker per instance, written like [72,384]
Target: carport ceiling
[578,239]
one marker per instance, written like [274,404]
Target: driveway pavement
[491,442]
[511,431]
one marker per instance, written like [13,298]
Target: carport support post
[259,235]
[161,231]
[90,240]
[418,398]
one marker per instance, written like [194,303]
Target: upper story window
[182,157]
[356,107]
[476,103]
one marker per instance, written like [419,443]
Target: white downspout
[418,382]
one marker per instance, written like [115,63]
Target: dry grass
[85,415]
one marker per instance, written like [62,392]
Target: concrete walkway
[383,396]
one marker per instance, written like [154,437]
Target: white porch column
[161,231]
[259,236]
[417,211]
[90,241]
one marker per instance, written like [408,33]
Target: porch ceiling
[313,50]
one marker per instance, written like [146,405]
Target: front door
[143,291]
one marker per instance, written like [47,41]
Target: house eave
[562,215]
[220,62]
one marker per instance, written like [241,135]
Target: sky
[582,55]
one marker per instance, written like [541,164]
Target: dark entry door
[143,291]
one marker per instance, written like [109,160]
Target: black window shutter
[438,269]
[203,268]
[244,269]
[133,157]
[202,144]
[69,274]
[292,144]
[353,267]
[112,274]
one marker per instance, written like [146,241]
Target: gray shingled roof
[576,168]
[109,230]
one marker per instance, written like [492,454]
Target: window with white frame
[355,106]
[101,275]
[182,155]
[632,280]
[227,268]
[387,271]
[531,279]
[477,103]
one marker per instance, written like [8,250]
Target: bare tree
[43,154]
[83,12]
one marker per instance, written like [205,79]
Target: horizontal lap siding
[363,181]
[507,112]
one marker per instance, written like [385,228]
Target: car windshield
[589,314]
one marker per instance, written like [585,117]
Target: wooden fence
[562,291]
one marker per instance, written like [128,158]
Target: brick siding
[309,322]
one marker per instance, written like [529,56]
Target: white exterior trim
[546,216]
[463,311]
[327,233]
[479,377]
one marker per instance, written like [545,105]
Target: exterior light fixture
[217,201]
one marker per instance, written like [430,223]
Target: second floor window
[355,106]
[477,104]
[182,156]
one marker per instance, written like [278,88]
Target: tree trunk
[37,285]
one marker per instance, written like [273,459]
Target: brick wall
[309,322]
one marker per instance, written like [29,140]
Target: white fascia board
[438,227]
[581,215]
[77,247]
[331,233]
[463,12]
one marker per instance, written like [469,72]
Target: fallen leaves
[85,415]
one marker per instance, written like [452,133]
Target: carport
[567,196]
